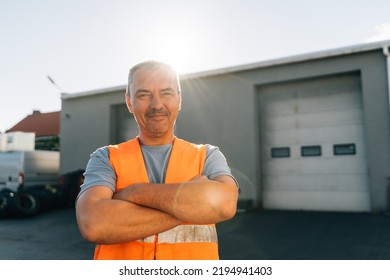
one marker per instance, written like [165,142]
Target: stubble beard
[158,128]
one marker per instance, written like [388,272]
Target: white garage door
[312,145]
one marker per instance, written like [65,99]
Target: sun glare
[179,45]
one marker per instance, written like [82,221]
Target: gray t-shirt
[99,171]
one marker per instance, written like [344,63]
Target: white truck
[24,169]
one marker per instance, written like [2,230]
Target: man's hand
[103,220]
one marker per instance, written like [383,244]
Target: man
[155,196]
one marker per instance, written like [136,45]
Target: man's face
[154,101]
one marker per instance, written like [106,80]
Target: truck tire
[7,204]
[27,203]
[33,200]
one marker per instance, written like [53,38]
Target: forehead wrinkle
[167,89]
[152,79]
[142,90]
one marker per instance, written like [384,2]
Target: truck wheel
[7,205]
[27,203]
[3,205]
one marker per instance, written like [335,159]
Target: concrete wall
[86,126]
[223,110]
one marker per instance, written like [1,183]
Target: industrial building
[307,132]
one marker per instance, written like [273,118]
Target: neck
[156,141]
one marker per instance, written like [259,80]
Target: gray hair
[152,65]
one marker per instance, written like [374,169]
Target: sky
[85,45]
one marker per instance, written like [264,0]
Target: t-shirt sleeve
[216,164]
[99,171]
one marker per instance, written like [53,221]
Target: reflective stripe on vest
[184,234]
[186,241]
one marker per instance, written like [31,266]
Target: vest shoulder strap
[186,161]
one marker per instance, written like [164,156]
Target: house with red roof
[46,127]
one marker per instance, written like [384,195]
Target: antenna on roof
[52,81]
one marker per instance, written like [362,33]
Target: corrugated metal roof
[286,60]
[42,124]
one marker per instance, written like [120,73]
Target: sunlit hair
[154,66]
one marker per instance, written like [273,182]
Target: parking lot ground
[51,235]
[252,235]
[305,235]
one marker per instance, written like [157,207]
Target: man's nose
[156,102]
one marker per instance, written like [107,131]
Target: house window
[311,151]
[280,152]
[344,149]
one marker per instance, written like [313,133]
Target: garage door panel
[323,201]
[313,119]
[316,182]
[314,135]
[322,112]
[326,93]
[328,166]
[295,104]
[327,151]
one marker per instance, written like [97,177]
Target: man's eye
[143,95]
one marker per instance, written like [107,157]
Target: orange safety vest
[184,242]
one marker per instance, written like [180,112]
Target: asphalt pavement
[251,235]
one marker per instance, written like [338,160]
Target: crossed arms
[145,209]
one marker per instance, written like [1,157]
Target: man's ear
[128,103]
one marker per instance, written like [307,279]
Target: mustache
[160,112]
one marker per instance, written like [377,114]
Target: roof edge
[244,67]
[291,59]
[65,96]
